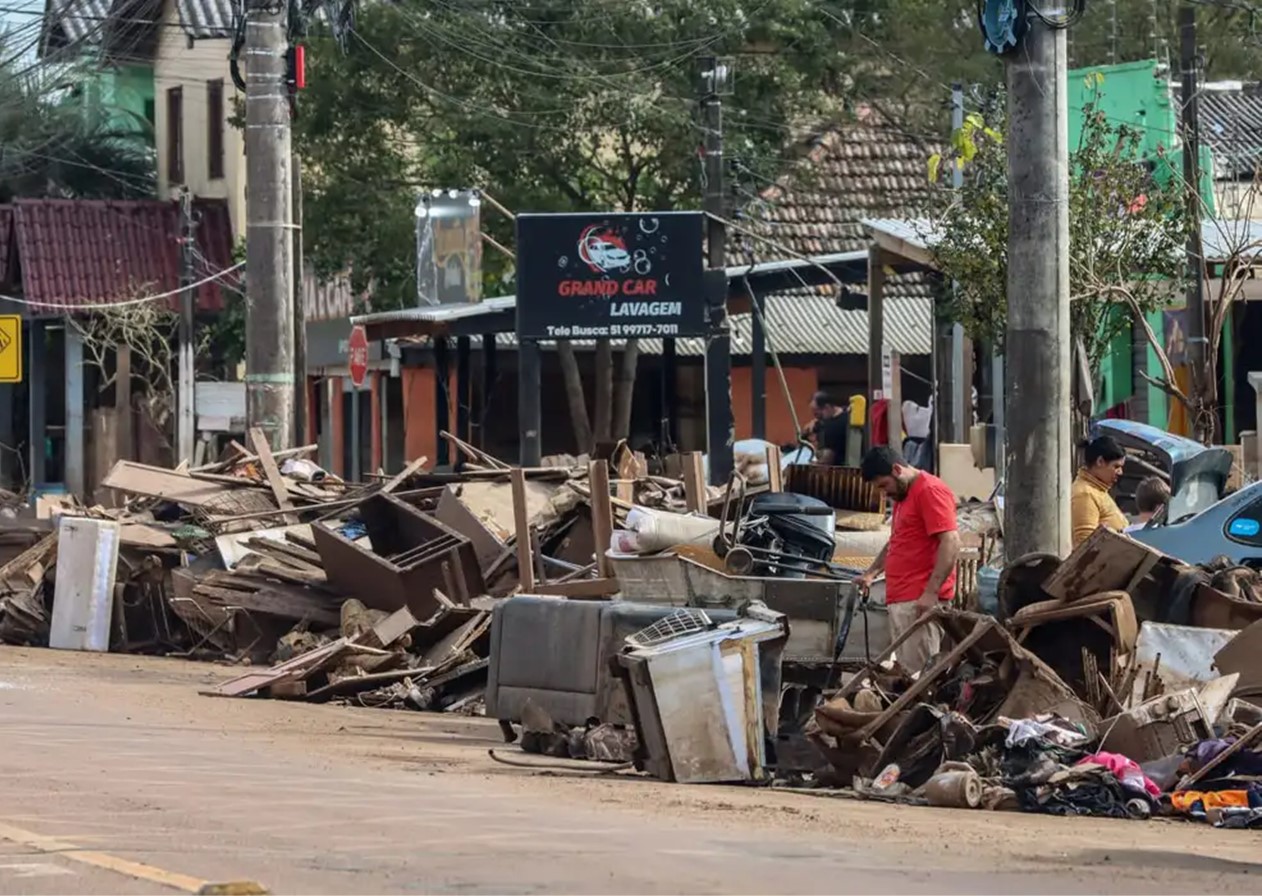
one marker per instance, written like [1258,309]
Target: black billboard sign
[619,276]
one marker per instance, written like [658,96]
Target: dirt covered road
[119,778]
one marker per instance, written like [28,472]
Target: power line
[105,306]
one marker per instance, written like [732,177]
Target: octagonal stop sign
[357,351]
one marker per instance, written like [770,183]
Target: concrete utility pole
[1037,350]
[1197,344]
[720,428]
[186,422]
[959,389]
[269,349]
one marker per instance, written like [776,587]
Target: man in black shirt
[830,426]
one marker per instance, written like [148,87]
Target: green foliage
[54,149]
[1126,233]
[548,106]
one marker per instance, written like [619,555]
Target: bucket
[988,590]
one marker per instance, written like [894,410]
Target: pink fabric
[1125,770]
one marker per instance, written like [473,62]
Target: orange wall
[803,383]
[420,438]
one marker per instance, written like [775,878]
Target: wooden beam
[694,482]
[407,473]
[582,589]
[602,515]
[775,472]
[521,522]
[274,479]
[122,401]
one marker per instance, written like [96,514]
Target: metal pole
[959,423]
[302,409]
[718,354]
[758,367]
[1204,425]
[269,355]
[186,421]
[1036,508]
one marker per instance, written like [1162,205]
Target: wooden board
[155,482]
[1106,561]
[279,490]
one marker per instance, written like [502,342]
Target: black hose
[843,635]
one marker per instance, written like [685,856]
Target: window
[214,128]
[175,135]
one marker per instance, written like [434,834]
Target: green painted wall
[121,97]
[1138,94]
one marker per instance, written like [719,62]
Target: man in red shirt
[919,560]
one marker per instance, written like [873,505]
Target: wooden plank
[1105,561]
[694,482]
[521,520]
[274,479]
[1247,739]
[271,602]
[40,552]
[407,473]
[579,589]
[155,482]
[602,515]
[775,472]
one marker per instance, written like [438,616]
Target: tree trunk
[574,396]
[603,396]
[624,389]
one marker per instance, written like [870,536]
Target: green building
[1140,94]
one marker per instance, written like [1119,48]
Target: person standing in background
[1151,495]
[829,427]
[1090,504]
[919,560]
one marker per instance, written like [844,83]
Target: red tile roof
[87,252]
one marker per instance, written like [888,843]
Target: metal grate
[684,621]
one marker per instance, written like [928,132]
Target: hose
[556,766]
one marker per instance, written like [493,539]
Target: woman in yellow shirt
[1091,505]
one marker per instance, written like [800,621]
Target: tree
[548,106]
[52,148]
[1127,232]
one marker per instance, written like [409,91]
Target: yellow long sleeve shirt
[1091,506]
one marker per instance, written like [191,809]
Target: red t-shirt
[927,511]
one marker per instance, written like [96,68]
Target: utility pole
[1197,344]
[301,409]
[959,389]
[269,351]
[1037,347]
[186,421]
[720,428]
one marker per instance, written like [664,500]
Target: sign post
[357,361]
[602,276]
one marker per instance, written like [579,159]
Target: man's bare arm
[944,561]
[878,564]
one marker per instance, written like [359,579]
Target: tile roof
[1231,123]
[6,242]
[82,252]
[865,168]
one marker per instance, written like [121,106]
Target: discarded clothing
[1127,771]
[1049,728]
[1082,790]
[1240,818]
[1197,803]
[1246,762]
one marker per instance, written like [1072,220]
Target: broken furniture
[412,555]
[705,701]
[556,654]
[1080,639]
[980,671]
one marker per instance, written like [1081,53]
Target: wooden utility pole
[1203,423]
[1037,346]
[269,352]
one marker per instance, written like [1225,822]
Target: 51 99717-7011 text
[625,331]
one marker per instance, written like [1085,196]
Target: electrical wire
[105,306]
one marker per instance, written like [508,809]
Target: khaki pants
[914,653]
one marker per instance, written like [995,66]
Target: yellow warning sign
[10,348]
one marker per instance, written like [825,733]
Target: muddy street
[120,778]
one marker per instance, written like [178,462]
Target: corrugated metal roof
[1231,123]
[205,19]
[1221,238]
[81,252]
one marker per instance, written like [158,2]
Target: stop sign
[357,350]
